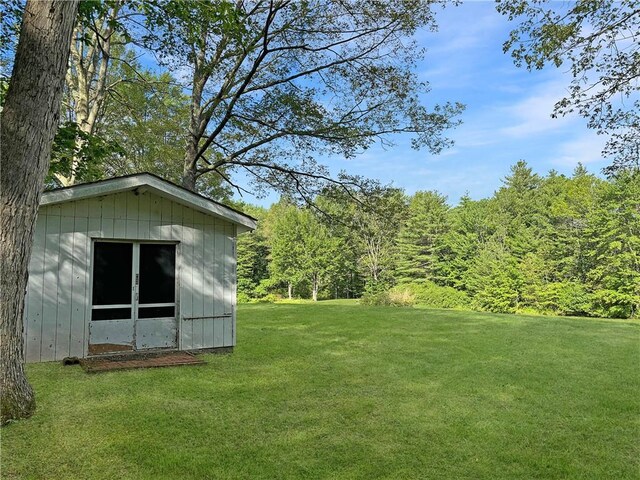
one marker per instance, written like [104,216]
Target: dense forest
[545,244]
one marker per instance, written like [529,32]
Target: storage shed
[131,263]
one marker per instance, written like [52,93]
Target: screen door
[133,297]
[156,296]
[112,325]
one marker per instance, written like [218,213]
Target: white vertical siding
[208,289]
[186,278]
[81,288]
[65,281]
[234,281]
[50,282]
[58,299]
[218,288]
[35,293]
[197,308]
[228,284]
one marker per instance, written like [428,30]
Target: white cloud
[532,114]
[585,148]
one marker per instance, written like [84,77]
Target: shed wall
[57,308]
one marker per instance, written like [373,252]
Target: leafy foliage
[368,222]
[599,42]
[436,296]
[72,144]
[389,298]
[253,252]
[302,249]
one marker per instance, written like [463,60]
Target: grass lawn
[336,390]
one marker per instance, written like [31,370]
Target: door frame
[135,270]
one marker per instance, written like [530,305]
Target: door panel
[110,336]
[156,325]
[111,328]
[156,333]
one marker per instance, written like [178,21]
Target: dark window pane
[112,273]
[157,273]
[111,314]
[156,312]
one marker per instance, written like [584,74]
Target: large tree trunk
[28,125]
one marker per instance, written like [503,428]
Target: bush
[432,295]
[614,304]
[498,297]
[269,298]
[243,297]
[564,298]
[390,298]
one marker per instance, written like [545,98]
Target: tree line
[556,244]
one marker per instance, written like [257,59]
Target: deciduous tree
[274,83]
[29,121]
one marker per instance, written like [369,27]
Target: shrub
[432,295]
[497,297]
[269,298]
[243,297]
[564,298]
[390,298]
[614,304]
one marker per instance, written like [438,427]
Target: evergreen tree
[470,227]
[419,237]
[567,203]
[494,279]
[614,233]
[519,208]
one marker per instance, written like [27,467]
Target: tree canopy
[599,42]
[273,85]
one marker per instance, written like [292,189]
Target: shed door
[133,297]
[112,326]
[156,325]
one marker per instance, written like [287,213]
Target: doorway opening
[133,301]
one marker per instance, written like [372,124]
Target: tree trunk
[290,290]
[196,125]
[314,289]
[189,175]
[86,78]
[28,125]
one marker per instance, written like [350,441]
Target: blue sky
[507,116]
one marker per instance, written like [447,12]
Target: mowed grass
[337,390]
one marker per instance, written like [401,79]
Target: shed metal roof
[154,184]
